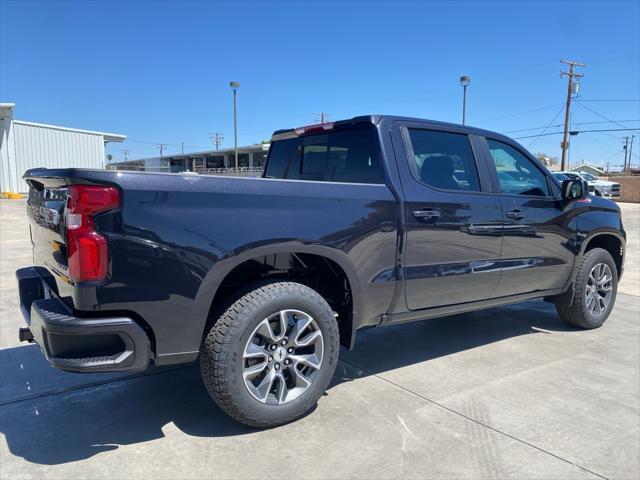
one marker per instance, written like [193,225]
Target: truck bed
[174,237]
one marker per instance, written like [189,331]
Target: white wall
[31,145]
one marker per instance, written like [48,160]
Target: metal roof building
[251,160]
[25,145]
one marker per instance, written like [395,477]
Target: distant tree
[547,160]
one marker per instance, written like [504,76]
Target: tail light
[87,249]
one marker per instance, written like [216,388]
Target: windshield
[560,176]
[588,177]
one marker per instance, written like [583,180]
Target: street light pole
[464,81]
[234,86]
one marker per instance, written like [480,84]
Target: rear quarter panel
[178,236]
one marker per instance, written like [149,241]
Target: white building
[251,159]
[25,145]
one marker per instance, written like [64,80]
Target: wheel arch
[212,295]
[609,240]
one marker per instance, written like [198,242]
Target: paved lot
[509,392]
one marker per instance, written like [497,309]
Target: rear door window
[443,160]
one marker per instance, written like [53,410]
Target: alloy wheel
[599,289]
[282,357]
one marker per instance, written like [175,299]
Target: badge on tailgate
[49,216]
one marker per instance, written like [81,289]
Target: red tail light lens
[87,249]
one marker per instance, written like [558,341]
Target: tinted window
[314,161]
[342,156]
[444,160]
[284,155]
[516,173]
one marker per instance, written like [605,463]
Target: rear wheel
[596,286]
[268,359]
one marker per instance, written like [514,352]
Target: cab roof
[377,120]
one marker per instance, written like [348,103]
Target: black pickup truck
[363,222]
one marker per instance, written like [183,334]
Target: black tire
[597,193]
[578,314]
[221,354]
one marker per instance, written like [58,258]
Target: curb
[12,196]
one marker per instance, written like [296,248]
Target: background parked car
[601,188]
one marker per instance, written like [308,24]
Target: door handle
[515,214]
[426,213]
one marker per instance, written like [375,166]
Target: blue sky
[159,71]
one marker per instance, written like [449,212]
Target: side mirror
[574,189]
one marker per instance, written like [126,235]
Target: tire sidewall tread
[577,313]
[221,352]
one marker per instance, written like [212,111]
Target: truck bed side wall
[178,236]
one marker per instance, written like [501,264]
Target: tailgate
[66,210]
[45,211]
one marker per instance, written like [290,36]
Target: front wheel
[268,359]
[596,286]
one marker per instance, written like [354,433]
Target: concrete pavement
[509,392]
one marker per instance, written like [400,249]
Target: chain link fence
[232,172]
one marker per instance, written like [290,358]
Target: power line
[608,121]
[165,144]
[521,113]
[545,128]
[599,114]
[611,156]
[609,130]
[595,139]
[621,100]
[559,125]
[530,129]
[576,132]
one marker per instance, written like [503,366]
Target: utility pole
[321,117]
[630,151]
[626,151]
[182,148]
[217,138]
[161,147]
[126,152]
[571,75]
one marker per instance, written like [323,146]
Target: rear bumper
[78,344]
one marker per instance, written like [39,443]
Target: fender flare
[583,245]
[598,233]
[217,274]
